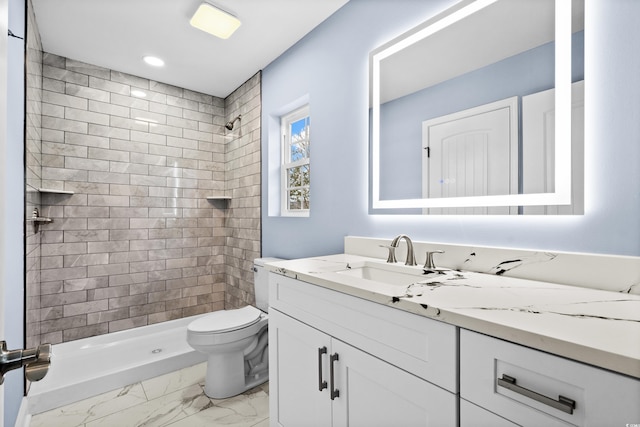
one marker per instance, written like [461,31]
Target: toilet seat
[225,321]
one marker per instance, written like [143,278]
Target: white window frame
[285,132]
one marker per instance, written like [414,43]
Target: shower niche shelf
[53,191]
[218,197]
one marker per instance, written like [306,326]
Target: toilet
[235,342]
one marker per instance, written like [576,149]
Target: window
[295,163]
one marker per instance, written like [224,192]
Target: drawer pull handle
[334,392]
[321,383]
[563,403]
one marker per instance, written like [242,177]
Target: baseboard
[24,417]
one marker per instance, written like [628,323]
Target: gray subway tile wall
[243,243]
[138,243]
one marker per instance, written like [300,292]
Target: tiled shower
[124,166]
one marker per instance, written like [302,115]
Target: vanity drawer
[524,385]
[424,347]
[474,416]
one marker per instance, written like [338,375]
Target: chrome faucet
[36,360]
[411,258]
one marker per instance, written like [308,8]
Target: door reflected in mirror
[464,111]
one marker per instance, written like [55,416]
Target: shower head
[229,125]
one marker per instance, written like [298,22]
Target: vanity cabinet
[534,388]
[338,360]
[317,379]
[322,381]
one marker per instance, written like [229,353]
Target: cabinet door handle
[564,404]
[334,392]
[321,383]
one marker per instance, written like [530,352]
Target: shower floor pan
[91,366]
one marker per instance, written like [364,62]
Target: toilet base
[237,360]
[226,376]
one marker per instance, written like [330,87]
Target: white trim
[24,417]
[286,164]
[4,47]
[296,114]
[274,152]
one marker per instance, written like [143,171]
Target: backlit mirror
[480,110]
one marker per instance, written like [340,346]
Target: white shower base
[91,366]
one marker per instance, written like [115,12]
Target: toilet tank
[261,282]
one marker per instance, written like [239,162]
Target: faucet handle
[36,370]
[36,360]
[391,258]
[428,263]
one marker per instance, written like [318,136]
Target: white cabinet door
[373,393]
[295,396]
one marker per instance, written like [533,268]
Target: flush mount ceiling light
[214,21]
[152,60]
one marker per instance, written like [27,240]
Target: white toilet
[235,342]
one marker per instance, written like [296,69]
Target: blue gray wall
[13,205]
[330,66]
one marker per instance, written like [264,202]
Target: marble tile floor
[176,399]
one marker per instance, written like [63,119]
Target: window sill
[295,214]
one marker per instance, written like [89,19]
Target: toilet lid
[226,320]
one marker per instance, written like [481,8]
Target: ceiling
[116,34]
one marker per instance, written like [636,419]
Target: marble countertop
[597,327]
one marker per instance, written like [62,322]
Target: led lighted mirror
[474,111]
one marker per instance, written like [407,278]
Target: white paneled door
[538,147]
[472,153]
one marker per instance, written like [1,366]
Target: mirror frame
[562,194]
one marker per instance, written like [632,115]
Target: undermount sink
[390,274]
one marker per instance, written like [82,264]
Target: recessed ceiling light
[214,21]
[152,60]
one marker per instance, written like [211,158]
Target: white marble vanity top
[598,327]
